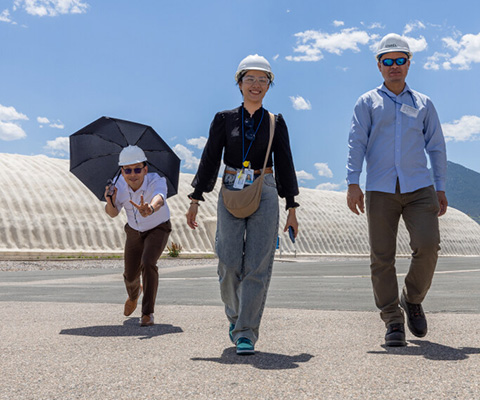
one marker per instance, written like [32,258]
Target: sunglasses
[388,62]
[137,171]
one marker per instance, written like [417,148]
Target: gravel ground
[71,264]
[167,262]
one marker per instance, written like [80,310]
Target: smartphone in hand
[291,233]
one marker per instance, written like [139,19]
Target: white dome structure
[46,211]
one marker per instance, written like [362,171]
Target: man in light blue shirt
[393,128]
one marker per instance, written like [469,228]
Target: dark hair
[143,162]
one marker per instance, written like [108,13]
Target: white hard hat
[131,155]
[392,43]
[256,63]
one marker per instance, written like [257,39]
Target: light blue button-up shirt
[395,143]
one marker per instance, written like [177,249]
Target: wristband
[153,209]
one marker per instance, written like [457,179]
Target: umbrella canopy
[94,152]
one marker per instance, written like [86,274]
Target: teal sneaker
[230,332]
[245,347]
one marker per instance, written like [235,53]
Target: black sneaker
[395,335]
[416,320]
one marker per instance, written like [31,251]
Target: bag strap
[270,141]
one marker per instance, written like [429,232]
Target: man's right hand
[110,206]
[110,197]
[355,199]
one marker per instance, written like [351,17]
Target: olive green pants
[419,210]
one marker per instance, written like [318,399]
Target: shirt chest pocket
[416,123]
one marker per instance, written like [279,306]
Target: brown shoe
[131,305]
[147,320]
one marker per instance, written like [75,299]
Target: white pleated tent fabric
[45,210]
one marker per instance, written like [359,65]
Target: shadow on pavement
[430,350]
[260,360]
[130,327]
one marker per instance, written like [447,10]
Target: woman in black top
[246,246]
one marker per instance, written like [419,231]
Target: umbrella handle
[111,191]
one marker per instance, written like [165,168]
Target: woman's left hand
[292,221]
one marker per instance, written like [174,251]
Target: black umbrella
[94,152]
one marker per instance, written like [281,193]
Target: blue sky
[170,64]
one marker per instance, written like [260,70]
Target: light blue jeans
[245,249]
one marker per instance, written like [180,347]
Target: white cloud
[299,103]
[5,16]
[328,186]
[376,25]
[464,129]
[60,146]
[190,161]
[10,114]
[416,45]
[275,57]
[43,120]
[323,170]
[310,44]
[10,130]
[412,26]
[451,43]
[199,142]
[437,60]
[467,48]
[338,23]
[51,8]
[304,176]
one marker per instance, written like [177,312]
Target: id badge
[239,180]
[249,178]
[408,110]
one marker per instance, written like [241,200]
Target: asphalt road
[64,336]
[342,284]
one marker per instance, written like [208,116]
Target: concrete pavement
[64,337]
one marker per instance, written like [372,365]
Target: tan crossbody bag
[243,203]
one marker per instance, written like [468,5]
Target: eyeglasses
[250,80]
[249,131]
[128,171]
[388,62]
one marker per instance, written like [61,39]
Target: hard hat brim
[270,75]
[397,50]
[131,162]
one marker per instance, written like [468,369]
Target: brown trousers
[419,210]
[142,251]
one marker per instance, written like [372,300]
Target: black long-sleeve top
[226,133]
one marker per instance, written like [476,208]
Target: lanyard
[134,209]
[244,156]
[401,104]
